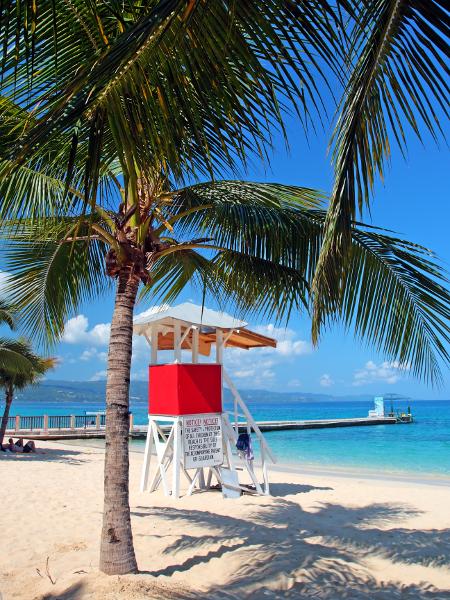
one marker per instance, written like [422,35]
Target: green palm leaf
[14,357]
[51,277]
[197,86]
[398,61]
[256,247]
[395,297]
[7,314]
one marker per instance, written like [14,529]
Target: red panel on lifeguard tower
[185,389]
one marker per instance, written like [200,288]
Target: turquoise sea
[422,447]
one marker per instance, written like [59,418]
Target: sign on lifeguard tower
[189,431]
[202,441]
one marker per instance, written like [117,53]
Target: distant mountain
[94,391]
[270,396]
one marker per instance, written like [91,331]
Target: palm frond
[172,273]
[7,314]
[14,357]
[51,277]
[396,297]
[261,288]
[195,87]
[20,365]
[39,187]
[394,294]
[398,80]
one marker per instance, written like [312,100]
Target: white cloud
[244,373]
[141,349]
[93,353]
[139,374]
[99,376]
[267,374]
[326,380]
[256,368]
[76,331]
[386,372]
[287,342]
[294,383]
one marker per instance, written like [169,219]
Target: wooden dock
[79,427]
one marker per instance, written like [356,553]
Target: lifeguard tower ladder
[188,428]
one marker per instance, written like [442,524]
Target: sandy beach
[322,535]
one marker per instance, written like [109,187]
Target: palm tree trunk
[9,392]
[116,551]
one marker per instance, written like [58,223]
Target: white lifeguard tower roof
[189,317]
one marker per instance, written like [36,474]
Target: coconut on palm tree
[110,108]
[19,365]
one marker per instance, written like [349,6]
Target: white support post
[209,478]
[147,458]
[154,345]
[264,470]
[229,434]
[176,459]
[193,482]
[219,346]
[236,415]
[195,342]
[227,337]
[163,452]
[185,334]
[177,342]
[201,479]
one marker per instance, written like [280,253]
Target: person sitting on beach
[19,446]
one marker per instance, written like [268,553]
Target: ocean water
[422,447]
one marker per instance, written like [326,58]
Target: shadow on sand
[287,489]
[47,455]
[74,592]
[286,552]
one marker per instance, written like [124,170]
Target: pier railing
[72,426]
[49,423]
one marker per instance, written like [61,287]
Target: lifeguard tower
[188,427]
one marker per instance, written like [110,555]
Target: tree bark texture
[9,392]
[116,550]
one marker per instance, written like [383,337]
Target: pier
[59,427]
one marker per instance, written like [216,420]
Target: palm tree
[19,365]
[110,108]
[256,245]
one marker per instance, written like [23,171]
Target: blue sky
[412,201]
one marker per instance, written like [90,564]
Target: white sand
[321,536]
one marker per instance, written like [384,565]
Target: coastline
[414,477]
[321,534]
[311,468]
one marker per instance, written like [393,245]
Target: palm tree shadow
[74,592]
[305,555]
[48,455]
[286,489]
